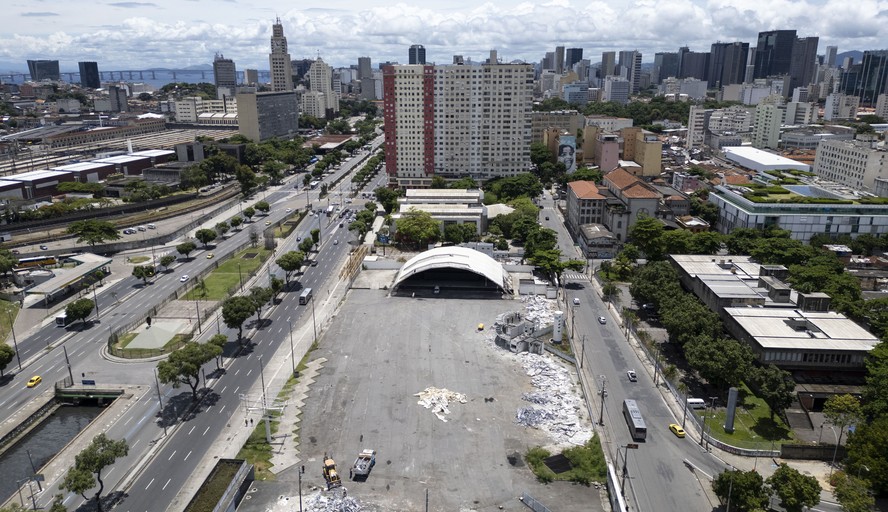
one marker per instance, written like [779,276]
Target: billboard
[567,152]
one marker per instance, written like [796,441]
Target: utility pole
[603,395]
[629,446]
[264,402]
[96,301]
[68,364]
[314,319]
[583,352]
[160,401]
[292,355]
[17,356]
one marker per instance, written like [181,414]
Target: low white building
[758,160]
[853,163]
[449,206]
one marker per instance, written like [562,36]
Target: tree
[842,411]
[744,489]
[875,391]
[7,354]
[263,206]
[8,261]
[852,493]
[247,179]
[236,222]
[183,366]
[88,466]
[236,311]
[58,501]
[93,231]
[205,236]
[218,341]
[249,212]
[186,248]
[868,447]
[722,362]
[306,245]
[795,490]
[775,386]
[166,260]
[290,262]
[143,272]
[277,284]
[647,235]
[438,182]
[222,228]
[260,297]
[79,309]
[388,198]
[417,228]
[193,176]
[459,233]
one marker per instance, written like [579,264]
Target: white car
[632,376]
[602,320]
[576,301]
[183,278]
[289,210]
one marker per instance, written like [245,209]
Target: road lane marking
[249,372]
[222,409]
[127,421]
[235,390]
[166,484]
[171,455]
[223,390]
[134,444]
[149,484]
[205,433]
[189,455]
[237,372]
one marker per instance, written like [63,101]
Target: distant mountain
[854,54]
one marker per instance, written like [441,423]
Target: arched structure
[447,269]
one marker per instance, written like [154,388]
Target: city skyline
[140,35]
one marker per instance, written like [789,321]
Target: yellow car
[677,430]
[34,381]
[210,256]
[268,223]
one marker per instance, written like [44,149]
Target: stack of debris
[332,502]
[437,399]
[540,310]
[556,402]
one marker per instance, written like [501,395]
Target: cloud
[38,14]
[132,5]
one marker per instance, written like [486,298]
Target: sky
[144,34]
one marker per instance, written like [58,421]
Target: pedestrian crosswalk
[576,276]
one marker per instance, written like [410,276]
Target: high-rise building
[117,97]
[852,163]
[43,70]
[773,53]
[692,64]
[768,120]
[365,69]
[698,122]
[251,76]
[559,59]
[630,68]
[89,75]
[279,60]
[320,81]
[608,64]
[456,120]
[416,54]
[574,55]
[264,115]
[616,89]
[830,58]
[224,74]
[882,106]
[665,66]
[868,79]
[840,106]
[804,62]
[727,63]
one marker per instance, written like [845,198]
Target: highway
[128,300]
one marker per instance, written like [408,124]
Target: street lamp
[706,421]
[835,450]
[603,396]
[14,342]
[313,319]
[292,357]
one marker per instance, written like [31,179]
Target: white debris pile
[540,310]
[332,502]
[438,400]
[556,401]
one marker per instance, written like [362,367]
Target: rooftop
[746,155]
[795,329]
[585,189]
[37,175]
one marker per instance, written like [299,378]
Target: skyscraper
[665,66]
[224,74]
[727,63]
[692,64]
[89,75]
[364,68]
[773,53]
[630,68]
[43,70]
[320,81]
[804,62]
[830,58]
[416,54]
[559,59]
[279,60]
[868,79]
[608,64]
[457,120]
[574,55]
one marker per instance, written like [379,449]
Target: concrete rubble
[556,403]
[332,502]
[438,400]
[540,310]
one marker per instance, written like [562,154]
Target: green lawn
[753,427]
[8,312]
[218,284]
[139,259]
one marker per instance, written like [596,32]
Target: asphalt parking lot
[383,350]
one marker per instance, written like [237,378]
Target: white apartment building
[320,80]
[608,123]
[882,106]
[768,119]
[692,87]
[737,119]
[698,120]
[840,106]
[457,121]
[189,109]
[616,89]
[800,113]
[852,163]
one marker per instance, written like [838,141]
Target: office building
[800,113]
[89,75]
[279,63]
[698,122]
[690,88]
[321,98]
[365,70]
[665,66]
[265,115]
[868,79]
[559,60]
[616,89]
[804,62]
[773,53]
[43,70]
[416,54]
[882,106]
[692,64]
[251,77]
[117,98]
[574,55]
[608,64]
[727,63]
[456,121]
[830,58]
[630,69]
[840,106]
[224,75]
[564,120]
[853,163]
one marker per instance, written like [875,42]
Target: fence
[532,503]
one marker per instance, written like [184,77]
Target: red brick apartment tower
[409,113]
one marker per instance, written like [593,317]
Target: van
[696,403]
[152,226]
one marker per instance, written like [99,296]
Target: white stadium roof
[454,257]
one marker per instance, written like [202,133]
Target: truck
[330,473]
[364,463]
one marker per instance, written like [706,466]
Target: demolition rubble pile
[332,502]
[540,310]
[555,402]
[438,399]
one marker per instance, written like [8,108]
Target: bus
[37,261]
[330,210]
[314,184]
[634,419]
[305,296]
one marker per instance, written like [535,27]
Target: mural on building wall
[567,152]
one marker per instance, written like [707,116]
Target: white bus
[305,296]
[634,420]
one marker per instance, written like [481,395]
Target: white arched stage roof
[455,258]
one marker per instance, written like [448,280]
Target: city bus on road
[634,420]
[305,296]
